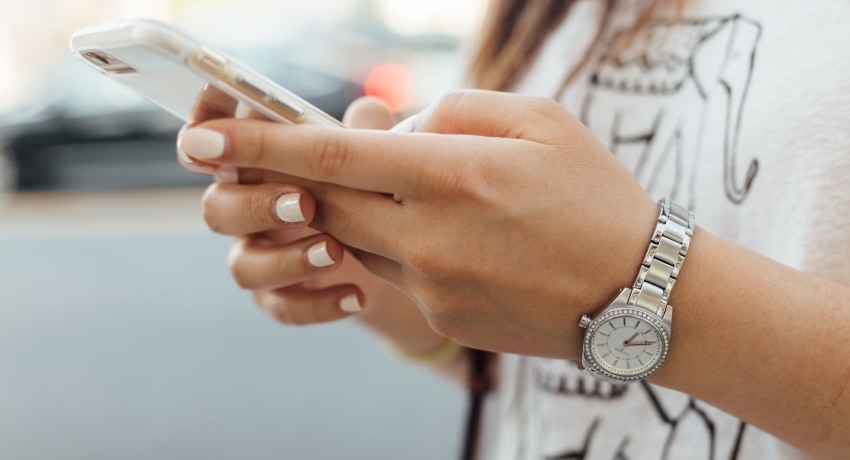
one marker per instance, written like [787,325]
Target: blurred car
[89,133]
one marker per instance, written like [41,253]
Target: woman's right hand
[301,276]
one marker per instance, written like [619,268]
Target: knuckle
[209,209]
[237,271]
[485,190]
[447,105]
[295,320]
[258,142]
[288,267]
[280,312]
[331,154]
[450,99]
[276,306]
[539,115]
[259,299]
[267,302]
[541,108]
[479,182]
[239,277]
[258,207]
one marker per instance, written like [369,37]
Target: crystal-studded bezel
[629,312]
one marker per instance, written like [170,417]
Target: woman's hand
[507,221]
[298,275]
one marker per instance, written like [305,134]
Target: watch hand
[638,343]
[626,342]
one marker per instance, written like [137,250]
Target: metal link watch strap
[664,258]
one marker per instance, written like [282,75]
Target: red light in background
[392,84]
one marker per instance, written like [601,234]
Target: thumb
[368,113]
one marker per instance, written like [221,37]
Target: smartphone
[186,77]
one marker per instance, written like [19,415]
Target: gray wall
[144,348]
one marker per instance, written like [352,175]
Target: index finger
[379,161]
[213,103]
[210,104]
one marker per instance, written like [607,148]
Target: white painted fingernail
[226,175]
[183,155]
[318,255]
[201,143]
[288,208]
[350,304]
[180,151]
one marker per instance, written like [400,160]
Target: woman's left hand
[501,215]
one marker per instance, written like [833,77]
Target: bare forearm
[764,342]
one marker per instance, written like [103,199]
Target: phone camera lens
[96,59]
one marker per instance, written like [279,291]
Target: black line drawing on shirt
[644,94]
[621,451]
[673,422]
[668,415]
[580,454]
[673,93]
[589,388]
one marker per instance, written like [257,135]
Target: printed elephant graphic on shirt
[643,94]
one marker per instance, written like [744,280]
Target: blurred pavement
[134,343]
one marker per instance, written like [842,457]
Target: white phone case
[177,72]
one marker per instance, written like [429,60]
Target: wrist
[622,255]
[612,268]
[624,251]
[629,339]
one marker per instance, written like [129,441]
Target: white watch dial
[627,345]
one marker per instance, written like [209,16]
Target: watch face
[626,343]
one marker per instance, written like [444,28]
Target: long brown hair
[515,31]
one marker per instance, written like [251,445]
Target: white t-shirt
[740,112]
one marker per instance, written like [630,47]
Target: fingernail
[226,175]
[180,151]
[318,255]
[183,155]
[350,304]
[201,143]
[288,208]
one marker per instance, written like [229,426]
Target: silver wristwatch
[629,340]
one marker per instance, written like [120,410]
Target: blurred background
[121,333]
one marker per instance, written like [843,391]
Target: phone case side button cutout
[290,111]
[208,61]
[250,87]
